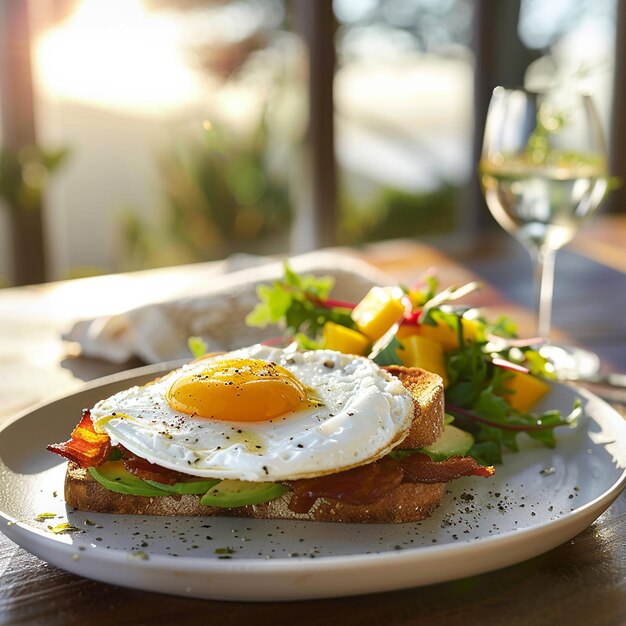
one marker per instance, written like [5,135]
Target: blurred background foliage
[25,175]
[220,198]
[393,213]
[221,195]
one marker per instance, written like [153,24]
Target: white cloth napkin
[159,332]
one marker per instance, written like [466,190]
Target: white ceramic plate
[538,499]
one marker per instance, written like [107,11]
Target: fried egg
[262,414]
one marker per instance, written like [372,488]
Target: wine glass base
[571,362]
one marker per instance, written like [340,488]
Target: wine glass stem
[544,281]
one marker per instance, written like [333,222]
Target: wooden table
[580,582]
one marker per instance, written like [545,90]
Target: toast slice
[408,502]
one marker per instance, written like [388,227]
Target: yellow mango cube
[449,337]
[342,339]
[527,391]
[379,310]
[425,353]
[407,330]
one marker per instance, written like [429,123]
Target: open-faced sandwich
[275,434]
[347,424]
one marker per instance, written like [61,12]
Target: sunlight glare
[115,54]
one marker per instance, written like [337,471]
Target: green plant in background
[221,197]
[394,213]
[25,173]
[221,193]
[24,177]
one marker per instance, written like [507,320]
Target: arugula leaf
[539,365]
[197,346]
[436,316]
[306,343]
[486,453]
[503,327]
[389,356]
[319,286]
[477,396]
[272,308]
[468,373]
[296,303]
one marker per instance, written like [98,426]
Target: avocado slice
[453,442]
[193,486]
[233,493]
[114,477]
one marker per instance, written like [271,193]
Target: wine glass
[543,171]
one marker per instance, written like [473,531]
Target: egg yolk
[239,390]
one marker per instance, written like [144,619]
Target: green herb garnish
[64,527]
[296,303]
[40,517]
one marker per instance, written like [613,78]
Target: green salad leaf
[296,304]
[389,356]
[197,346]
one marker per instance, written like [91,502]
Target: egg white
[366,412]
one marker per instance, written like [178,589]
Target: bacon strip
[369,483]
[150,471]
[85,447]
[361,485]
[420,468]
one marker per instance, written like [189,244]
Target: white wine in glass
[544,173]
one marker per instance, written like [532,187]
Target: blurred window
[172,131]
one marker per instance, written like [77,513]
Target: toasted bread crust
[409,502]
[428,402]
